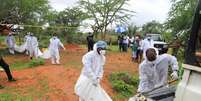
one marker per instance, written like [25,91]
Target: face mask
[103,52]
[148,38]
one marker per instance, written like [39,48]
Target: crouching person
[153,71]
[88,86]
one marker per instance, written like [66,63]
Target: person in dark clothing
[5,66]
[139,52]
[90,41]
[120,42]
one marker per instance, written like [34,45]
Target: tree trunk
[105,32]
[190,57]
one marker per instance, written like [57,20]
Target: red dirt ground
[56,82]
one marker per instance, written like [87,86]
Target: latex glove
[95,81]
[174,75]
[98,79]
[64,49]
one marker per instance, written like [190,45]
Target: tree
[66,21]
[23,11]
[132,29]
[180,20]
[152,27]
[181,15]
[105,12]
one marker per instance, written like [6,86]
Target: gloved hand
[174,75]
[95,81]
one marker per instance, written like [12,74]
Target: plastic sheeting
[85,89]
[21,48]
[44,55]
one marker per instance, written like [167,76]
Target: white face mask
[103,52]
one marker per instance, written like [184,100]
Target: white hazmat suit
[88,85]
[32,46]
[54,46]
[25,40]
[146,44]
[155,74]
[10,41]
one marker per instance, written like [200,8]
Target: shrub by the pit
[124,83]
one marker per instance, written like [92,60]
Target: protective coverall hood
[99,44]
[151,62]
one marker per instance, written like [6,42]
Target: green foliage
[2,40]
[132,29]
[167,36]
[124,83]
[181,70]
[78,38]
[36,62]
[181,15]
[23,11]
[152,27]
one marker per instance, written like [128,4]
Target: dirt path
[56,82]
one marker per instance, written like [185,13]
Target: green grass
[83,46]
[27,93]
[2,39]
[14,97]
[113,48]
[22,65]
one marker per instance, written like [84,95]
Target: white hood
[157,53]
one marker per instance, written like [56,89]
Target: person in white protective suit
[153,72]
[88,85]
[10,41]
[32,46]
[25,42]
[146,43]
[54,46]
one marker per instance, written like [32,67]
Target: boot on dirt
[12,80]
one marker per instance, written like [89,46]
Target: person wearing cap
[90,41]
[88,86]
[10,41]
[54,46]
[153,71]
[32,46]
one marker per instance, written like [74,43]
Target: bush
[36,62]
[123,83]
[77,38]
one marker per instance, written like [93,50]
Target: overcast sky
[146,10]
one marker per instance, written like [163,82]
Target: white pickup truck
[159,43]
